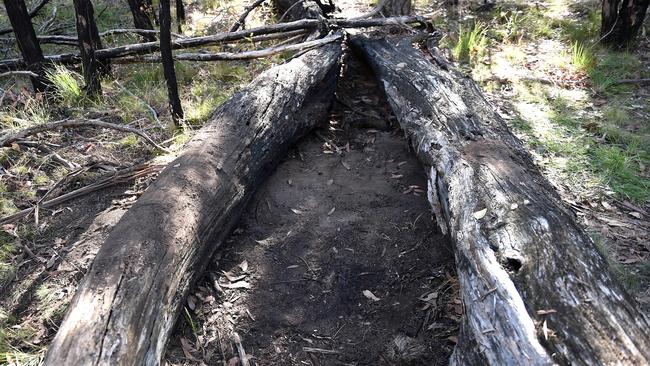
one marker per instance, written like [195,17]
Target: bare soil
[336,261]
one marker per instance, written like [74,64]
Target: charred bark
[89,42]
[168,62]
[141,19]
[32,13]
[621,21]
[125,308]
[28,44]
[180,15]
[535,289]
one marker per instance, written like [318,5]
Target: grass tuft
[471,44]
[66,84]
[582,57]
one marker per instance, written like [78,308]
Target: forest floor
[337,260]
[309,258]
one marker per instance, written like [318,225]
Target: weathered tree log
[167,59]
[125,309]
[151,47]
[29,47]
[141,19]
[535,289]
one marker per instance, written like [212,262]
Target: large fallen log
[535,289]
[126,306]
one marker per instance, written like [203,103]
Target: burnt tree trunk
[32,13]
[141,20]
[621,21]
[126,306]
[28,44]
[89,42]
[180,15]
[396,8]
[535,289]
[168,62]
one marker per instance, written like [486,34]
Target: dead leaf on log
[244,266]
[370,295]
[480,214]
[240,284]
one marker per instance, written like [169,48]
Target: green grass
[471,44]
[66,85]
[620,168]
[582,57]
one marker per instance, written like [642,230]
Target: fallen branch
[120,176]
[242,17]
[372,12]
[32,14]
[232,56]
[10,137]
[227,37]
[18,73]
[634,81]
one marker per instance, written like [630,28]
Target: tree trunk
[180,15]
[32,13]
[141,19]
[29,47]
[397,8]
[621,21]
[168,62]
[535,289]
[88,40]
[126,306]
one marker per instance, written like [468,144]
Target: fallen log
[227,37]
[236,56]
[535,289]
[124,310]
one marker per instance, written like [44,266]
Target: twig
[18,73]
[56,157]
[373,12]
[633,81]
[8,138]
[242,17]
[320,350]
[115,178]
[288,10]
[240,349]
[247,55]
[144,102]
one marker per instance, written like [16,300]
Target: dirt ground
[336,261]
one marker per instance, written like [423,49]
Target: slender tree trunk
[141,20]
[621,21]
[168,61]
[88,39]
[180,15]
[27,41]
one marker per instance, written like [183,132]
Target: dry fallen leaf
[233,361]
[636,214]
[345,165]
[330,182]
[240,284]
[191,302]
[188,349]
[298,212]
[607,206]
[370,295]
[480,214]
[244,266]
[331,211]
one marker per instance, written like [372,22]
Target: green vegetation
[471,44]
[66,84]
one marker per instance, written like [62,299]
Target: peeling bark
[126,306]
[535,289]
